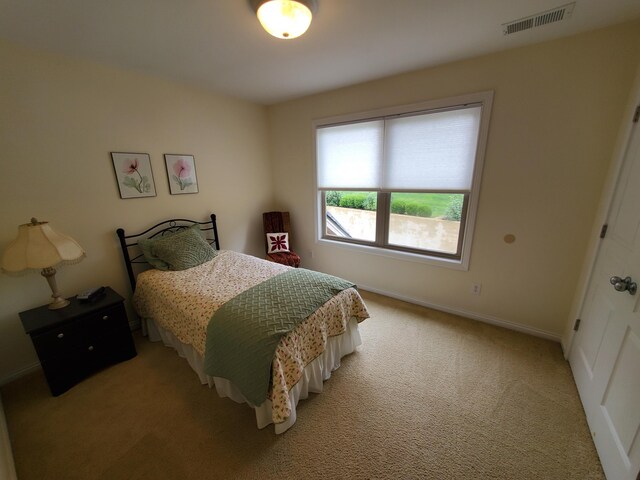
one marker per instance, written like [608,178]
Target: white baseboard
[19,373]
[7,467]
[465,313]
[134,325]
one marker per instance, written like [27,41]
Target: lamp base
[58,302]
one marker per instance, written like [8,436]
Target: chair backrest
[275,222]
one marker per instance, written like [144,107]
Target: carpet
[428,395]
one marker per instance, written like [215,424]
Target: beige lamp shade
[38,246]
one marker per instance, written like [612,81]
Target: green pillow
[146,247]
[177,251]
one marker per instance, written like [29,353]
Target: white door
[605,355]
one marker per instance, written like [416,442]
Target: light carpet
[428,395]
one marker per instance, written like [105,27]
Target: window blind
[434,151]
[426,151]
[350,156]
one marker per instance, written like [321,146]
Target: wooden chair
[278,222]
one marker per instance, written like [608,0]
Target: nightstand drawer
[108,331]
[108,322]
[57,342]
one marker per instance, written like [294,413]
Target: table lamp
[40,247]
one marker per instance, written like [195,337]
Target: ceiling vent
[543,18]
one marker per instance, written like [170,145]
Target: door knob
[624,284]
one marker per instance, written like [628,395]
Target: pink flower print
[182,169]
[130,166]
[141,184]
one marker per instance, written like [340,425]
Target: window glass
[426,221]
[351,215]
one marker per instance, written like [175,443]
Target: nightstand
[80,339]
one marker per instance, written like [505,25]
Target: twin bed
[209,304]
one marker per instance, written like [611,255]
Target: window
[405,180]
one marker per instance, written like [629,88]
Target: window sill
[403,256]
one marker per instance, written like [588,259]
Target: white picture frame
[181,173]
[133,174]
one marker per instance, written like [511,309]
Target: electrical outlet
[476,288]
[310,253]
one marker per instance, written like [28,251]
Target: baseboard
[565,347]
[19,373]
[7,467]
[133,325]
[465,313]
[455,311]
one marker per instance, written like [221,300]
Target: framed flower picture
[133,174]
[181,172]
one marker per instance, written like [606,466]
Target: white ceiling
[219,44]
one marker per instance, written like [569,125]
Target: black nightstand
[77,340]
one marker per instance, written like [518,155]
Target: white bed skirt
[312,379]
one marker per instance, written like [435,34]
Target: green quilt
[243,334]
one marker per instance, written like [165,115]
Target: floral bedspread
[183,302]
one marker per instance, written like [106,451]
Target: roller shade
[350,156]
[434,151]
[426,151]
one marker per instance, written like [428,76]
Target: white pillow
[277,242]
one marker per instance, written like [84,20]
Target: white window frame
[485,99]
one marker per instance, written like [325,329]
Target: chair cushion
[286,258]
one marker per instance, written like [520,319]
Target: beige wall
[557,109]
[59,120]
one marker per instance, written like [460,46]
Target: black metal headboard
[168,226]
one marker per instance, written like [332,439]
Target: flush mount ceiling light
[285,18]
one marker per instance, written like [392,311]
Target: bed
[199,302]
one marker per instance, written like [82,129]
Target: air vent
[543,18]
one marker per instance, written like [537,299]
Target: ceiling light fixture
[285,18]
